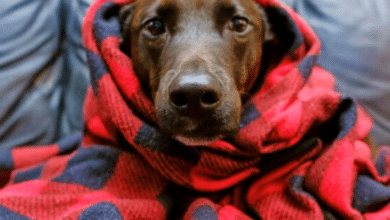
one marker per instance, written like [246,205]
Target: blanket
[299,153]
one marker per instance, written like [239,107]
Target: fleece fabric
[299,153]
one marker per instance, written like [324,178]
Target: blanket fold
[299,153]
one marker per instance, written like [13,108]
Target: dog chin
[189,141]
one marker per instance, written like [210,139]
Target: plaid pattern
[299,150]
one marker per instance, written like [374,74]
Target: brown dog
[196,59]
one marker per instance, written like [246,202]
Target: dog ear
[125,16]
[281,35]
[268,32]
[276,41]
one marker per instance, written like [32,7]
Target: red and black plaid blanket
[299,152]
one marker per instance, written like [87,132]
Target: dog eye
[155,27]
[238,24]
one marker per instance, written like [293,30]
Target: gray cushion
[355,37]
[43,72]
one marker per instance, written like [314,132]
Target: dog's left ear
[268,33]
[125,16]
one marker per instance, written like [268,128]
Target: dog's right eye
[155,27]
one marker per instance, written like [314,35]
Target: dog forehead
[194,4]
[185,6]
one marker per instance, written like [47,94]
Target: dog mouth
[199,129]
[193,141]
[202,135]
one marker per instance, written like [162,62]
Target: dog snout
[195,93]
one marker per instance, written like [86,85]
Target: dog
[197,61]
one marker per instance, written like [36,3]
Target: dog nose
[195,92]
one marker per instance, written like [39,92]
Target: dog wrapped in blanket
[297,152]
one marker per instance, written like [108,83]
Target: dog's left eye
[238,24]
[155,27]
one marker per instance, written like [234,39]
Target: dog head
[196,60]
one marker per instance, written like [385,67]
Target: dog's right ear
[125,16]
